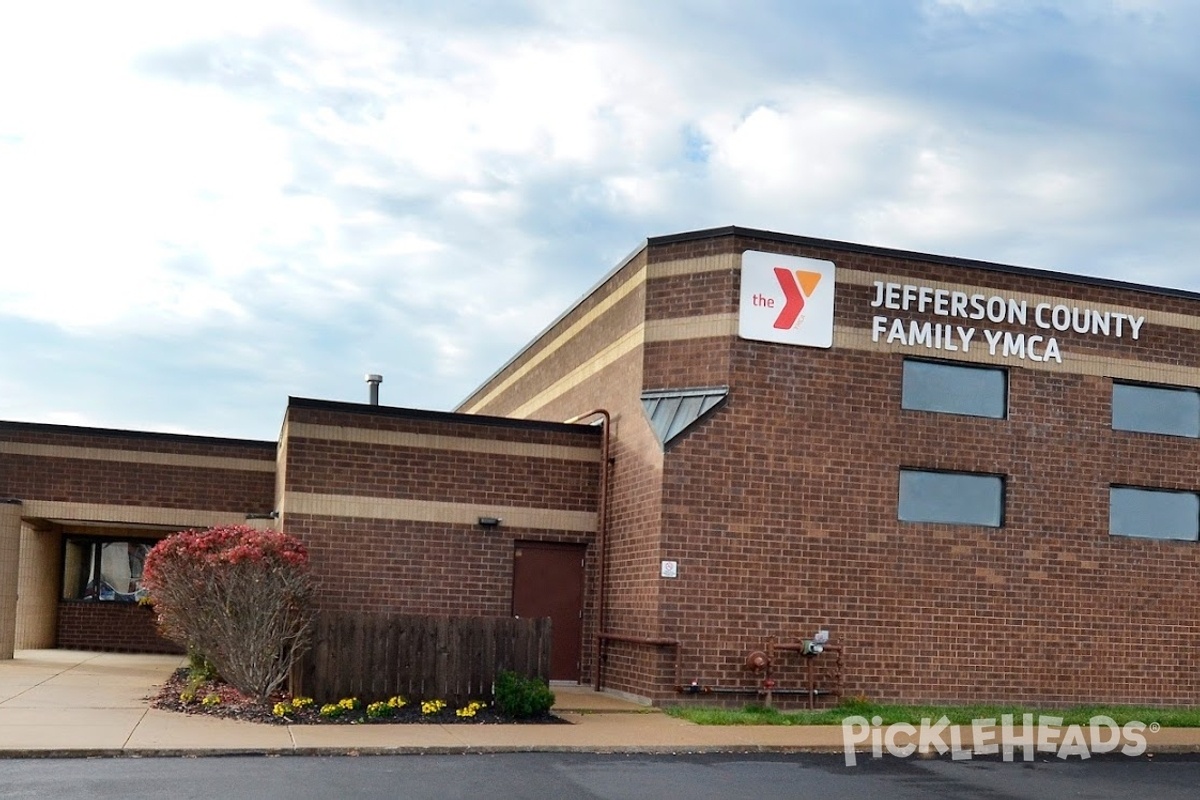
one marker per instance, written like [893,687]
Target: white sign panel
[786,299]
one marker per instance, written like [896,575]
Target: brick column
[10,550]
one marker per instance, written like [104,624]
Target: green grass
[958,715]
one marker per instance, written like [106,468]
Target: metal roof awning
[673,411]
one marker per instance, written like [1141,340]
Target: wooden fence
[456,659]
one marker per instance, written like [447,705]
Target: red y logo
[796,286]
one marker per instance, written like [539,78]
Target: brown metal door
[548,582]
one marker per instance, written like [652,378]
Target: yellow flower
[432,706]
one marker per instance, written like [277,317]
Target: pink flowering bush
[239,596]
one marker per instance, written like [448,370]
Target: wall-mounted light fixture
[489,522]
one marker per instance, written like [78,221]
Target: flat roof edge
[49,427]
[438,416]
[874,250]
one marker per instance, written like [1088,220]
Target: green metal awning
[673,411]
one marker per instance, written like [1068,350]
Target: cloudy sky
[207,207]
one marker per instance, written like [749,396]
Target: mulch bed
[235,705]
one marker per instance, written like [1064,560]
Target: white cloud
[813,147]
[289,195]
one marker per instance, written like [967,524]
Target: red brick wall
[781,509]
[632,585]
[87,480]
[110,627]
[409,566]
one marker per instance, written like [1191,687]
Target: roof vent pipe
[373,381]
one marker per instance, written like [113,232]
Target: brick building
[981,479]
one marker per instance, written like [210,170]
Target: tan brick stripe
[134,515]
[856,277]
[137,457]
[718,325]
[682,328]
[339,505]
[695,266]
[577,327]
[335,433]
[622,346]
[860,339]
[1073,363]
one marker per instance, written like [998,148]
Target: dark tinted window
[955,497]
[952,389]
[1153,514]
[1156,409]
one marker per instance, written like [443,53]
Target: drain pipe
[601,531]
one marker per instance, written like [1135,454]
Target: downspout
[601,532]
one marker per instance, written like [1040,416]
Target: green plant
[285,708]
[199,668]
[380,710]
[889,714]
[432,706]
[519,696]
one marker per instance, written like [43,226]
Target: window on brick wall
[960,498]
[1174,411]
[104,569]
[954,389]
[1153,513]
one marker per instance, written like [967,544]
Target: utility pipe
[601,529]
[648,640]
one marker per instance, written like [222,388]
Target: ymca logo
[796,286]
[786,299]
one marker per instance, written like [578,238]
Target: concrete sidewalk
[71,703]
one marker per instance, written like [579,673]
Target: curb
[352,752]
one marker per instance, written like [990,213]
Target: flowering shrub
[211,700]
[470,709]
[285,708]
[238,596]
[340,708]
[379,710]
[432,706]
